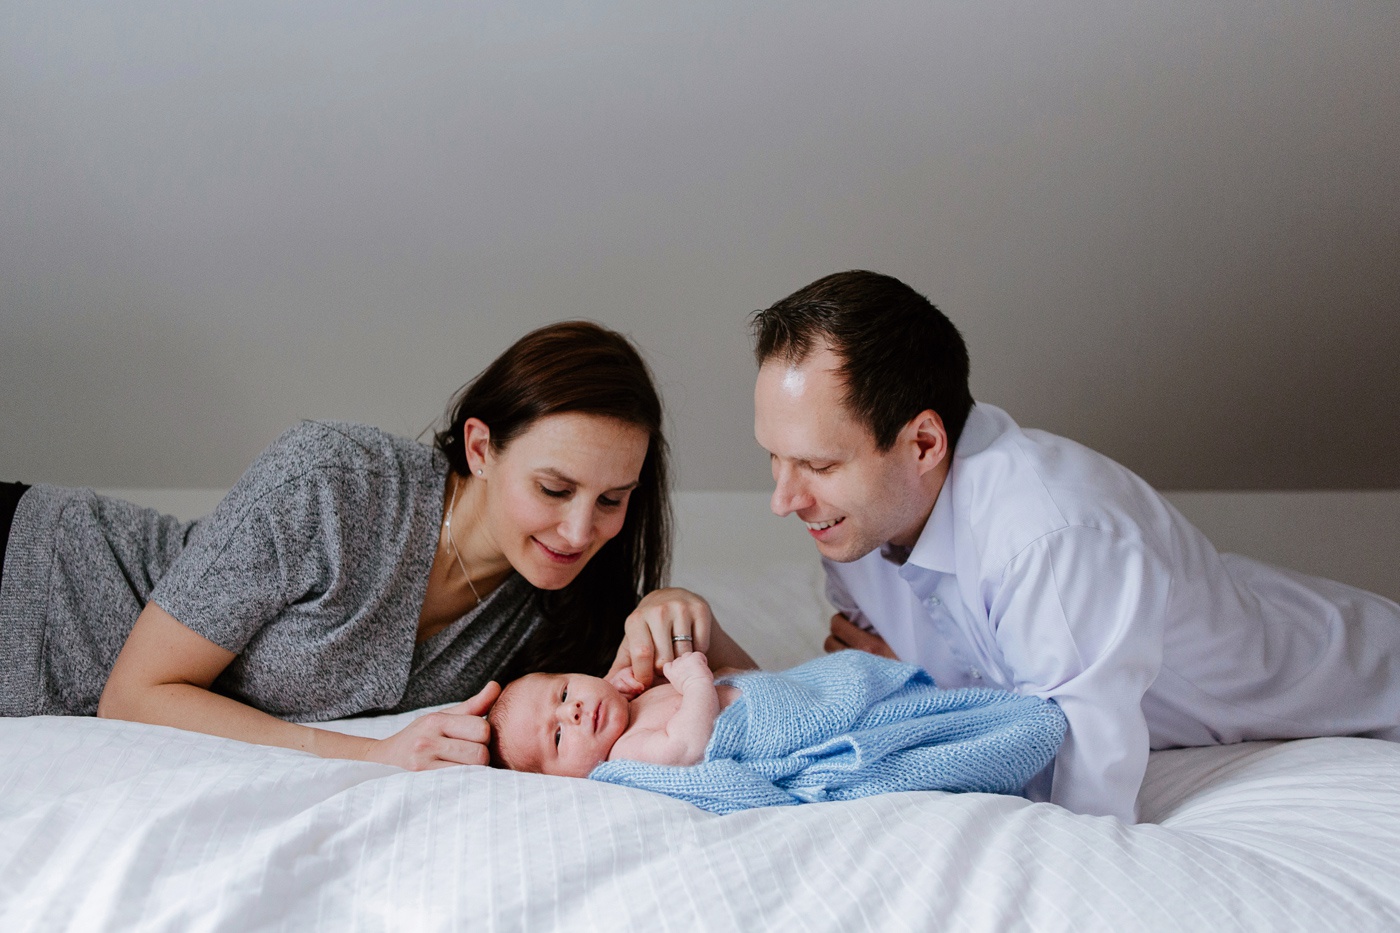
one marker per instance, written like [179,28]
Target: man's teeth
[821,526]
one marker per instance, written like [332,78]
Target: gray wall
[1171,231]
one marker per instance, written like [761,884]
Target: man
[1010,558]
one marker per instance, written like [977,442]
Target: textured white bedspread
[116,826]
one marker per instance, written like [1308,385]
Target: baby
[839,727]
[568,724]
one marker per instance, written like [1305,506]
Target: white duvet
[121,826]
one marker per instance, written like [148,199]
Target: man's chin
[842,552]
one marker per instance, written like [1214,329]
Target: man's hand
[846,634]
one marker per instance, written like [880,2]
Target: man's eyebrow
[570,481]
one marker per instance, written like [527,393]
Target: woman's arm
[163,676]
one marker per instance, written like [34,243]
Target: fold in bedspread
[851,725]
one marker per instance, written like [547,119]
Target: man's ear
[930,439]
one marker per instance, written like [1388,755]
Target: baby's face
[560,723]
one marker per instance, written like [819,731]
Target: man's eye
[827,468]
[554,493]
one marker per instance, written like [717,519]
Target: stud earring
[478,472]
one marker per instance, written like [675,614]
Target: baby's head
[556,723]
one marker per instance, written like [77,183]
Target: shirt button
[975,674]
[933,601]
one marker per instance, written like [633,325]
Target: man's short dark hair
[899,354]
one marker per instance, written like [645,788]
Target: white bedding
[114,826]
[121,826]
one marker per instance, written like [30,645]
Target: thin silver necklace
[452,544]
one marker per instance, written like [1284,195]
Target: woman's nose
[577,527]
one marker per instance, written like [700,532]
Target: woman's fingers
[666,624]
[480,704]
[457,752]
[436,740]
[460,726]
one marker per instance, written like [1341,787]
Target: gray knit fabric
[313,570]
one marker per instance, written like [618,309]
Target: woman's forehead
[588,449]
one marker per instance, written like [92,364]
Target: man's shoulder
[1024,481]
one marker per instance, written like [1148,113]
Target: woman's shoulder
[312,445]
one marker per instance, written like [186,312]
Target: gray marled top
[312,569]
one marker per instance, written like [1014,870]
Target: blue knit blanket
[850,725]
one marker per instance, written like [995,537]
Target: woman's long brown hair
[578,366]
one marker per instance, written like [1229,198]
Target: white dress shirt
[1048,569]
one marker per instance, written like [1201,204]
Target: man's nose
[788,495]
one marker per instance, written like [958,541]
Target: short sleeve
[264,547]
[1078,617]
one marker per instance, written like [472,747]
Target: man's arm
[1078,618]
[849,627]
[846,634]
[687,733]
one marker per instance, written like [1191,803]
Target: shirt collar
[934,549]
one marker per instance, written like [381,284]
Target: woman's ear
[930,439]
[476,441]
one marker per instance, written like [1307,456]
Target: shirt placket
[932,590]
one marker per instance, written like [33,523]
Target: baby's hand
[689,668]
[626,684]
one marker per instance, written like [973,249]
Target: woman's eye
[554,493]
[607,503]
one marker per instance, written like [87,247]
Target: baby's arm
[683,739]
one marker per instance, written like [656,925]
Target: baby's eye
[564,696]
[557,733]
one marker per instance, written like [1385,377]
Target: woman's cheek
[614,523]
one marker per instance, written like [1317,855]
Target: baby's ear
[625,683]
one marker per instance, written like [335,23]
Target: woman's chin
[545,576]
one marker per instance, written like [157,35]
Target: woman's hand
[453,736]
[668,624]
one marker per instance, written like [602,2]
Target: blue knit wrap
[850,725]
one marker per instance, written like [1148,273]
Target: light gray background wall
[1171,231]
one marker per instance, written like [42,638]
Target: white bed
[116,826]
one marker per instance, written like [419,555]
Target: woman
[350,571]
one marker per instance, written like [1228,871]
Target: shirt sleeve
[263,548]
[840,597]
[1078,617]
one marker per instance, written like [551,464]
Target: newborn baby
[568,724]
[839,727]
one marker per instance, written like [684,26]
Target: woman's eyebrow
[570,481]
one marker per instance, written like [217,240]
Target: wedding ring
[681,638]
